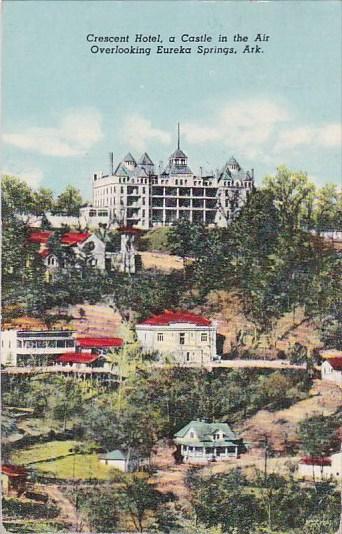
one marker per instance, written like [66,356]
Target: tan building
[187,337]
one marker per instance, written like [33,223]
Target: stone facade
[136,193]
[186,337]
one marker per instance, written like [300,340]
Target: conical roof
[178,154]
[233,161]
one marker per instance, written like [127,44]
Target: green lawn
[80,466]
[42,451]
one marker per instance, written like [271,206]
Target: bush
[16,508]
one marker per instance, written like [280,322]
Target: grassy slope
[56,458]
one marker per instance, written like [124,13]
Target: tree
[328,209]
[139,497]
[67,400]
[69,202]
[293,197]
[17,196]
[186,239]
[222,500]
[101,506]
[319,435]
[42,201]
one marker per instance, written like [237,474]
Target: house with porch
[321,467]
[200,442]
[187,337]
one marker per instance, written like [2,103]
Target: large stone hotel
[136,193]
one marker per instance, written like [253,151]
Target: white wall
[328,373]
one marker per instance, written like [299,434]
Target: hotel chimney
[111,164]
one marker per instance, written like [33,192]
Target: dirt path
[68,514]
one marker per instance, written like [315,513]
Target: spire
[178,144]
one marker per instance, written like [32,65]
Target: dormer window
[217,436]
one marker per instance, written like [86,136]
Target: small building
[189,338]
[34,348]
[13,480]
[200,442]
[124,461]
[102,344]
[321,468]
[332,369]
[125,259]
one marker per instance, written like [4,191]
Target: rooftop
[113,455]
[99,342]
[315,460]
[204,431]
[77,357]
[14,470]
[336,363]
[171,317]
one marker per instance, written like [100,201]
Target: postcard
[171,345]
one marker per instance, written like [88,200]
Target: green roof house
[121,460]
[200,442]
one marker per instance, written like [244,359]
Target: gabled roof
[77,357]
[170,317]
[73,238]
[336,363]
[129,158]
[145,160]
[205,431]
[113,455]
[99,342]
[40,237]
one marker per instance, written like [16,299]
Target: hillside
[281,426]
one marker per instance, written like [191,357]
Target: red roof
[77,357]
[44,253]
[99,342]
[336,363]
[40,237]
[315,460]
[13,470]
[169,317]
[73,238]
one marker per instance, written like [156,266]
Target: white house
[332,369]
[200,442]
[319,468]
[86,246]
[34,348]
[123,461]
[189,338]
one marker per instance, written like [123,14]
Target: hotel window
[188,356]
[160,336]
[191,435]
[204,337]
[182,338]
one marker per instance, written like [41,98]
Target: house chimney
[111,164]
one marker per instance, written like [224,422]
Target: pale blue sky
[64,109]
